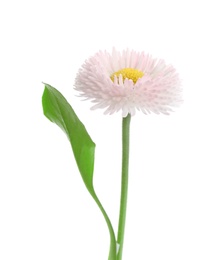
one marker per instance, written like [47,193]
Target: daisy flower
[129,81]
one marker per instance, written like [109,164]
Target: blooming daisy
[129,81]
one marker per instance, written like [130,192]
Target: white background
[45,210]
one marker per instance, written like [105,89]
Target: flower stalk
[124,184]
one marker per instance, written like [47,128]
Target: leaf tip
[45,98]
[46,84]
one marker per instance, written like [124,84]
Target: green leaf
[58,110]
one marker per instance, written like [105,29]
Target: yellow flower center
[128,73]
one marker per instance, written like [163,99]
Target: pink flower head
[129,81]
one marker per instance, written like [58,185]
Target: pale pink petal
[158,91]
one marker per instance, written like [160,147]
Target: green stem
[124,184]
[112,252]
